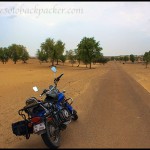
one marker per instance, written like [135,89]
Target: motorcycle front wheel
[74,115]
[52,136]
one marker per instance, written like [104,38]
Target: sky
[122,28]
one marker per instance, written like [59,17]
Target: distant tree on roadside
[24,54]
[63,58]
[42,55]
[103,60]
[78,56]
[49,49]
[4,55]
[89,49]
[132,58]
[53,49]
[112,58]
[146,58]
[71,56]
[59,47]
[17,52]
[84,57]
[125,58]
[98,55]
[116,58]
[120,58]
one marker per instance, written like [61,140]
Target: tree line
[145,58]
[14,52]
[88,51]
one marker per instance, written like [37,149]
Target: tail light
[36,119]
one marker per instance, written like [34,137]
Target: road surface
[114,112]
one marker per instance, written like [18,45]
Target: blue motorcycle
[46,117]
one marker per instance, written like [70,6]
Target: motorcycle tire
[52,136]
[74,115]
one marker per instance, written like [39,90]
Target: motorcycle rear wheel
[52,136]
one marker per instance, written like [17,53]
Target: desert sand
[139,72]
[18,79]
[17,82]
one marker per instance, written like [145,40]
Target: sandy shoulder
[139,73]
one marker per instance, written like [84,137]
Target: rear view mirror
[54,69]
[35,88]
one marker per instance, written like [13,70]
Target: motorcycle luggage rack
[69,99]
[20,112]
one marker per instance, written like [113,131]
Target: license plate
[38,127]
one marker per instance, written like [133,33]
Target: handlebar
[44,91]
[55,82]
[58,78]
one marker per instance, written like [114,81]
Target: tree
[24,54]
[146,58]
[63,58]
[112,58]
[4,55]
[42,55]
[84,57]
[97,57]
[49,48]
[89,48]
[125,58]
[78,56]
[59,47]
[53,50]
[117,58]
[71,56]
[15,52]
[103,60]
[132,58]
[121,58]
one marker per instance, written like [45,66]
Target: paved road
[114,114]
